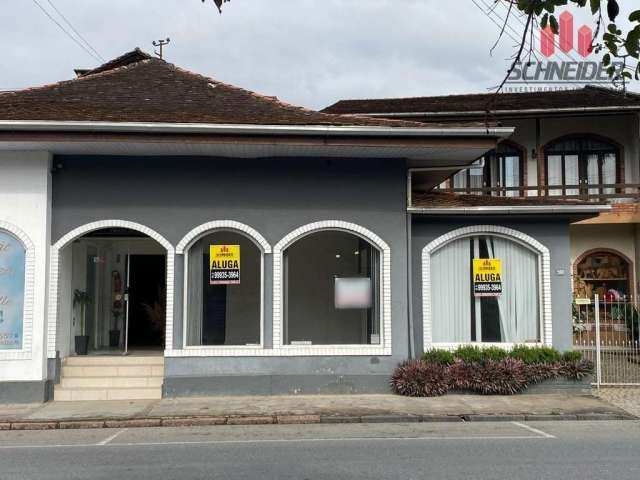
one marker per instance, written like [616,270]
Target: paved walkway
[626,398]
[310,409]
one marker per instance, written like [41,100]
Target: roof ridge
[82,78]
[280,103]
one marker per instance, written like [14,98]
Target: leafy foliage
[532,355]
[489,371]
[417,378]
[438,356]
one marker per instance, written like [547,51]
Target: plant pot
[82,344]
[114,338]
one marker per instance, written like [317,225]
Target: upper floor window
[498,173]
[582,166]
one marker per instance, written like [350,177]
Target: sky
[306,52]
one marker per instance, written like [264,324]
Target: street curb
[294,420]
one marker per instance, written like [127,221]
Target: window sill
[284,351]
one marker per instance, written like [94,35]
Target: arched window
[223,291]
[501,170]
[12,288]
[331,290]
[602,272]
[472,300]
[582,166]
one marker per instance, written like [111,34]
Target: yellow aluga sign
[487,277]
[224,264]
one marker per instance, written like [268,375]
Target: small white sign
[352,293]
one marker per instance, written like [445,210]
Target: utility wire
[66,31]
[535,36]
[494,21]
[79,35]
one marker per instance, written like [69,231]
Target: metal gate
[605,331]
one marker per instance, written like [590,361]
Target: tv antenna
[160,43]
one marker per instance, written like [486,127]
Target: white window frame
[544,283]
[384,284]
[54,276]
[183,247]
[25,352]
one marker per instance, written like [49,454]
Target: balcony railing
[586,192]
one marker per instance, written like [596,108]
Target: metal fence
[605,331]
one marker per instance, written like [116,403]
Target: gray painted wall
[553,232]
[274,196]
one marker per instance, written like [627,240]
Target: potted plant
[81,299]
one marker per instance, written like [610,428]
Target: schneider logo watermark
[575,70]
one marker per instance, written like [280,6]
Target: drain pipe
[412,347]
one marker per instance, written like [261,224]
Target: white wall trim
[385,293]
[515,235]
[183,248]
[29,295]
[54,278]
[208,227]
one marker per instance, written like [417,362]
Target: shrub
[576,370]
[440,357]
[417,378]
[495,353]
[505,377]
[469,353]
[571,356]
[530,355]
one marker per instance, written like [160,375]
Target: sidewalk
[304,409]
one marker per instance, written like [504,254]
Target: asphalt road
[501,450]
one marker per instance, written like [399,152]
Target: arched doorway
[112,283]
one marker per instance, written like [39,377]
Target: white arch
[54,279]
[29,294]
[203,229]
[511,234]
[385,292]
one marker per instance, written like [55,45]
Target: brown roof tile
[587,97]
[137,87]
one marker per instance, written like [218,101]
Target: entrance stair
[110,377]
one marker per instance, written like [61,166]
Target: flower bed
[490,371]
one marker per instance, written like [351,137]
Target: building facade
[163,233]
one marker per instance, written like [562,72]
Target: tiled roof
[450,200]
[587,97]
[137,87]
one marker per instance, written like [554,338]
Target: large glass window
[460,310]
[331,290]
[12,272]
[502,167]
[224,278]
[582,166]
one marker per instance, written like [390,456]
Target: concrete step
[111,360]
[83,394]
[113,371]
[110,382]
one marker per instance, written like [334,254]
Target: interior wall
[311,266]
[243,300]
[113,252]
